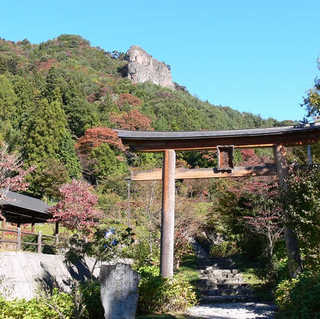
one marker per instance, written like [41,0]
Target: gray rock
[119,291]
[142,67]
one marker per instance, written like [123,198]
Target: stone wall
[22,274]
[142,67]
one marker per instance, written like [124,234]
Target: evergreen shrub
[90,291]
[157,294]
[299,298]
[57,306]
[224,249]
[83,303]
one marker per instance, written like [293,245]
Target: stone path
[248,310]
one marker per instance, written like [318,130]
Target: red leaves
[76,209]
[12,173]
[132,120]
[94,137]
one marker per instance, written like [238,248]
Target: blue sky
[255,56]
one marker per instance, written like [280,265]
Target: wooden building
[21,209]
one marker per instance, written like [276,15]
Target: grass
[250,276]
[254,274]
[49,229]
[188,269]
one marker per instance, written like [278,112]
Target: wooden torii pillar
[169,142]
[167,214]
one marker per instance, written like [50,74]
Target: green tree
[81,115]
[105,163]
[8,99]
[8,112]
[46,136]
[312,100]
[48,178]
[302,208]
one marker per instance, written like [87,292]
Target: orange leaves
[132,120]
[94,137]
[47,64]
[127,98]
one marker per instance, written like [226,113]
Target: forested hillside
[52,92]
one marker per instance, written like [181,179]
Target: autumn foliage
[132,120]
[127,98]
[94,137]
[12,173]
[77,207]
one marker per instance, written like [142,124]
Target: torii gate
[224,142]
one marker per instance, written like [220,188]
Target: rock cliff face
[142,67]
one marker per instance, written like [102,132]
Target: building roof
[18,208]
[153,141]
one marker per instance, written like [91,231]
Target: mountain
[52,92]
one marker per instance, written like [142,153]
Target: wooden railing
[21,244]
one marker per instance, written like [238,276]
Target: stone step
[216,263]
[234,278]
[233,281]
[218,272]
[203,283]
[220,299]
[227,292]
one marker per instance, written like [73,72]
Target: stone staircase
[220,281]
[223,285]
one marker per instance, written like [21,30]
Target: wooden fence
[41,240]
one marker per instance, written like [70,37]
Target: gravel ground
[241,310]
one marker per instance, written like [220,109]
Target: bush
[90,291]
[224,249]
[84,302]
[299,297]
[38,308]
[281,269]
[157,294]
[143,254]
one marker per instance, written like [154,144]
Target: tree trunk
[294,259]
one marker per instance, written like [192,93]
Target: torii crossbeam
[224,142]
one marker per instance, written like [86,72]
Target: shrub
[59,305]
[224,249]
[145,252]
[84,302]
[281,269]
[157,294]
[91,298]
[299,297]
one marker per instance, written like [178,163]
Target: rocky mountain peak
[143,67]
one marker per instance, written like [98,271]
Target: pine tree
[7,99]
[46,136]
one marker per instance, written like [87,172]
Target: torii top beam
[152,141]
